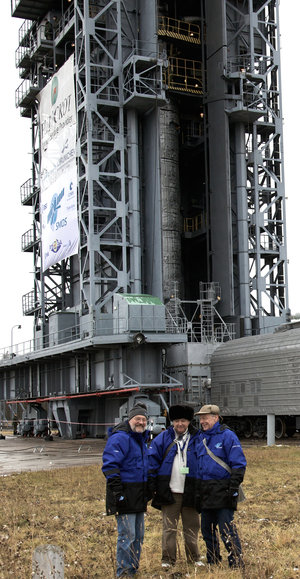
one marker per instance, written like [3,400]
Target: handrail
[105,326]
[179,29]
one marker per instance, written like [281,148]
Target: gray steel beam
[221,252]
[242,226]
[270,429]
[134,202]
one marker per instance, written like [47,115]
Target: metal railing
[245,64]
[184,75]
[29,303]
[105,326]
[22,56]
[27,190]
[219,333]
[143,76]
[24,32]
[179,29]
[26,92]
[28,240]
[64,21]
[194,224]
[171,320]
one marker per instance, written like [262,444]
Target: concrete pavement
[19,454]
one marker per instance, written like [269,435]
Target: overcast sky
[15,143]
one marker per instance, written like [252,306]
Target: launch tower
[179,241]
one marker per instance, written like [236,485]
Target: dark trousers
[222,518]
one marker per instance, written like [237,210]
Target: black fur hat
[181,411]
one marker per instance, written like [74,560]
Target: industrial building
[157,196]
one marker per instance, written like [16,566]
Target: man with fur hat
[125,466]
[172,472]
[221,469]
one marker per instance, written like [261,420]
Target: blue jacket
[125,466]
[160,468]
[217,488]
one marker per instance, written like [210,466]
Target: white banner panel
[58,210]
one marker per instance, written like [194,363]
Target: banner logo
[54,90]
[54,207]
[55,246]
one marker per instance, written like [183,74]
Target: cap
[181,411]
[139,409]
[209,409]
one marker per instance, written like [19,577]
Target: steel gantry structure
[180,196]
[245,94]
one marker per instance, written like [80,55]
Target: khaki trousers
[191,525]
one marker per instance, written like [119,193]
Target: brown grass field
[66,507]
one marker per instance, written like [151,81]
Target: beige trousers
[190,523]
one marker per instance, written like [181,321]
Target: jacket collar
[212,430]
[191,429]
[125,427]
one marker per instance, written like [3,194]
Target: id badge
[184,470]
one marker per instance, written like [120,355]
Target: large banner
[58,209]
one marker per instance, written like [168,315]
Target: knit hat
[181,411]
[209,409]
[138,409]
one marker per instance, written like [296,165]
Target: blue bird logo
[54,207]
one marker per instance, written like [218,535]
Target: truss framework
[112,75]
[254,72]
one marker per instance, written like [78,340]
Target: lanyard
[182,454]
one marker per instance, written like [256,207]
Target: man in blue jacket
[217,487]
[125,466]
[172,472]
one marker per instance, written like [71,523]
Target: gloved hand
[198,503]
[118,494]
[233,495]
[120,499]
[198,497]
[237,476]
[116,488]
[121,503]
[151,488]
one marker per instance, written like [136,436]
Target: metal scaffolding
[180,186]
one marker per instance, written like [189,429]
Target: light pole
[12,335]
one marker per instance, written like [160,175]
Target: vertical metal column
[134,201]
[270,429]
[242,226]
[218,124]
[171,219]
[89,176]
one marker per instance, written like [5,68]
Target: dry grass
[66,507]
